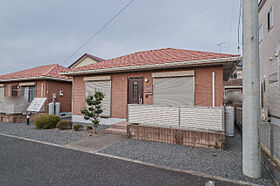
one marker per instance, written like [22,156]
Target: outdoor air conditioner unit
[264,114]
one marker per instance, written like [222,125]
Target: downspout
[47,94]
[213,89]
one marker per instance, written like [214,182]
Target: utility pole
[251,152]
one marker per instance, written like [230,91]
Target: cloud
[44,32]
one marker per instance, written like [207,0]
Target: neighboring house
[233,88]
[41,82]
[234,84]
[237,74]
[167,77]
[85,59]
[269,51]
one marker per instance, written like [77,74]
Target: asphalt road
[28,163]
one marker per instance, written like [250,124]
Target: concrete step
[116,131]
[120,125]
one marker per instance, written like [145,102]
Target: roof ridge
[48,71]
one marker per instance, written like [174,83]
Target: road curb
[137,161]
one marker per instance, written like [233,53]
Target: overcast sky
[39,32]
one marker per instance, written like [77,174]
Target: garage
[102,84]
[173,89]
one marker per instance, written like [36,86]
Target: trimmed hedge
[78,127]
[62,125]
[46,121]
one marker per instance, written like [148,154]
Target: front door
[135,91]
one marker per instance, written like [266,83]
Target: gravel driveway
[60,137]
[210,161]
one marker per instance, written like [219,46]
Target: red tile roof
[46,71]
[159,56]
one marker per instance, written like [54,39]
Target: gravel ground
[210,161]
[61,137]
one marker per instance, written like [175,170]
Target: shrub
[62,125]
[78,127]
[46,121]
[94,109]
[89,128]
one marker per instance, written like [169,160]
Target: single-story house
[169,77]
[42,82]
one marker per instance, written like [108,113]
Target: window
[269,19]
[173,91]
[234,75]
[135,90]
[28,92]
[272,78]
[260,33]
[14,91]
[2,93]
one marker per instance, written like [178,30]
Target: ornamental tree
[94,109]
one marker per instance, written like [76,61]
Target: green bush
[89,127]
[46,121]
[62,125]
[78,127]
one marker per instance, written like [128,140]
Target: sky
[40,32]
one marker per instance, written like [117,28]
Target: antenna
[220,45]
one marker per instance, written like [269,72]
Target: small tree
[94,109]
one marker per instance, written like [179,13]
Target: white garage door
[174,91]
[105,88]
[1,93]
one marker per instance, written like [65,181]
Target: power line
[231,20]
[239,23]
[11,67]
[98,31]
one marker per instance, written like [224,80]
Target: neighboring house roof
[233,83]
[41,72]
[157,59]
[97,59]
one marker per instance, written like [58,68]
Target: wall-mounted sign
[148,89]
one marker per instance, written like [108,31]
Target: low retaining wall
[195,138]
[17,118]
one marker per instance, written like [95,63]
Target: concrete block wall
[193,138]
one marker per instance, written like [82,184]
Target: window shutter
[174,91]
[105,88]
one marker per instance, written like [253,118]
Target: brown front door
[135,91]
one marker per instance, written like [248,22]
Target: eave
[227,63]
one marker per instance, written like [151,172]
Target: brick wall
[195,138]
[49,88]
[78,97]
[203,86]
[203,89]
[66,99]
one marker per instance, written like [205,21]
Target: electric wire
[98,31]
